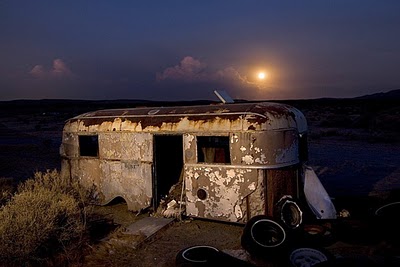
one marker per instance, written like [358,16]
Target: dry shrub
[54,182]
[118,250]
[45,218]
[7,189]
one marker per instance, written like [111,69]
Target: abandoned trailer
[233,161]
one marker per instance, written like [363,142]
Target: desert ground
[354,147]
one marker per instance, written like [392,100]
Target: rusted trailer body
[235,160]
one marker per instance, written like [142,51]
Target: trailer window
[213,149]
[88,145]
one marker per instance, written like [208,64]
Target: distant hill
[393,94]
[79,106]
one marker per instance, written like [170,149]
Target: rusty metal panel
[126,146]
[231,117]
[66,167]
[111,179]
[301,121]
[86,170]
[270,149]
[256,201]
[131,181]
[218,192]
[69,146]
[156,124]
[189,148]
[280,183]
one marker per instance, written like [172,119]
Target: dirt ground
[355,238]
[162,249]
[358,175]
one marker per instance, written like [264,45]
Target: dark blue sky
[183,50]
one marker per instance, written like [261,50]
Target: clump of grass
[46,217]
[118,250]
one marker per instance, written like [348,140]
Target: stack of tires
[268,239]
[289,238]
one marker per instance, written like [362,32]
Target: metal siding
[226,189]
[262,136]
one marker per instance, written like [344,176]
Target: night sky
[184,50]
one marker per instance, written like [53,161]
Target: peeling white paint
[248,159]
[238,211]
[188,141]
[230,173]
[243,149]
[226,189]
[261,159]
[252,186]
[234,139]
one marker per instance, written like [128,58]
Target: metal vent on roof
[223,96]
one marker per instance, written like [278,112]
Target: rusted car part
[264,237]
[317,197]
[308,256]
[207,256]
[317,234]
[289,212]
[233,161]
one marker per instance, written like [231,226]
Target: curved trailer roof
[262,116]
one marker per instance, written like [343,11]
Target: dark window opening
[89,145]
[213,149]
[303,147]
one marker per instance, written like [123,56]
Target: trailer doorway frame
[168,164]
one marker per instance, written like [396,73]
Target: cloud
[59,67]
[59,70]
[38,71]
[231,73]
[202,77]
[189,69]
[192,70]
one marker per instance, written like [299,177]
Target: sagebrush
[45,218]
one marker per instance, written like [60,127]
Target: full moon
[261,75]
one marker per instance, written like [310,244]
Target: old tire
[207,256]
[289,212]
[264,237]
[196,256]
[308,256]
[318,235]
[386,219]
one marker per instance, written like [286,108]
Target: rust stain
[226,187]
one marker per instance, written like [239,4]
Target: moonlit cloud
[201,75]
[193,70]
[232,74]
[37,71]
[189,69]
[58,70]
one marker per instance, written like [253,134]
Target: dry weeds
[46,218]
